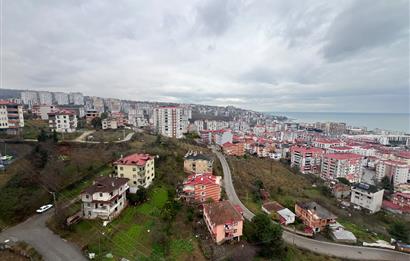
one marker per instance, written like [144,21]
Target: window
[121,168]
[134,169]
[101,194]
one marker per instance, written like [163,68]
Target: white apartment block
[45,98]
[139,169]
[397,171]
[29,98]
[11,117]
[170,121]
[367,197]
[76,98]
[342,165]
[62,121]
[223,137]
[61,98]
[109,124]
[216,125]
[105,198]
[199,124]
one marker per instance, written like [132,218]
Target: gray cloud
[314,55]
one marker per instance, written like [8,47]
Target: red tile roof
[201,179]
[62,112]
[222,212]
[134,159]
[343,156]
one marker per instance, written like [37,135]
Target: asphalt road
[35,232]
[321,247]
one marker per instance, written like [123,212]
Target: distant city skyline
[287,56]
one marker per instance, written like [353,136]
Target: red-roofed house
[62,120]
[223,220]
[327,143]
[138,168]
[307,159]
[403,156]
[342,165]
[201,187]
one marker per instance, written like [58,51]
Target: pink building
[202,187]
[307,159]
[342,165]
[224,221]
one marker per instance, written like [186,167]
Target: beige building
[11,117]
[197,163]
[138,168]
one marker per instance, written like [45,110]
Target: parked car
[44,208]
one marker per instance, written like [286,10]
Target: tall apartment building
[62,121]
[11,117]
[138,168]
[306,159]
[170,121]
[29,98]
[76,98]
[367,196]
[45,98]
[342,165]
[61,98]
[397,171]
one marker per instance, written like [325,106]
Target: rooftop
[317,210]
[365,187]
[272,206]
[134,159]
[343,156]
[203,179]
[193,155]
[222,212]
[105,184]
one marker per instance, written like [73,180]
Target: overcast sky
[262,55]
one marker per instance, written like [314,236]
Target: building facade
[201,188]
[170,121]
[62,121]
[11,117]
[314,215]
[397,171]
[223,220]
[138,168]
[234,149]
[197,163]
[342,165]
[306,159]
[105,198]
[367,197]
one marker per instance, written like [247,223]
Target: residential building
[29,98]
[223,136]
[314,215]
[340,190]
[105,198]
[367,196]
[138,168]
[170,121]
[61,98]
[91,114]
[234,149]
[62,121]
[306,159]
[42,111]
[285,215]
[201,188]
[109,124]
[342,165]
[327,143]
[45,98]
[397,171]
[11,117]
[402,200]
[76,98]
[223,220]
[197,163]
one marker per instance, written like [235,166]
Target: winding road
[35,232]
[321,247]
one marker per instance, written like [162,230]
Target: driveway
[321,247]
[35,232]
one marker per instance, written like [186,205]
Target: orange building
[314,215]
[202,187]
[234,149]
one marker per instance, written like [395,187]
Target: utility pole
[55,202]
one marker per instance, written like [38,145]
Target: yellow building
[197,163]
[138,168]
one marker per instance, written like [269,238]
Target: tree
[267,235]
[55,137]
[42,136]
[400,231]
[343,181]
[138,197]
[96,123]
[386,184]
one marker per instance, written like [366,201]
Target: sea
[387,121]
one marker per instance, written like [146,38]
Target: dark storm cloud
[265,55]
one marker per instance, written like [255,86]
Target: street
[321,247]
[35,232]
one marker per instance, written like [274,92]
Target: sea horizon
[391,121]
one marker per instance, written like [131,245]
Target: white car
[44,208]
